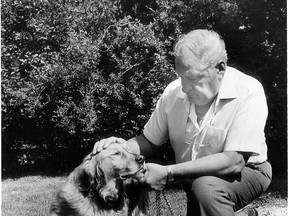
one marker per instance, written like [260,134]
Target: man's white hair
[207,47]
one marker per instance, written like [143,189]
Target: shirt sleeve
[156,129]
[247,130]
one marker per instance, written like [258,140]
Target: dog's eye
[116,153]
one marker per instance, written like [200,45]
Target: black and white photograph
[144,108]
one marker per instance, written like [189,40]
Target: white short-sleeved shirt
[234,122]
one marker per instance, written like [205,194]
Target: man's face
[201,87]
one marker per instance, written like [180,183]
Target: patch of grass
[274,201]
[28,195]
[32,196]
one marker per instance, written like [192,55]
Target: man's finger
[108,142]
[97,147]
[105,143]
[120,140]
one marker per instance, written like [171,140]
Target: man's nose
[185,86]
[140,159]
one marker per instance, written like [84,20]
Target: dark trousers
[213,196]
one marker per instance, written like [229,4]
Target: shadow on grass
[278,185]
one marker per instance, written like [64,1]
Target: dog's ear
[99,176]
[83,179]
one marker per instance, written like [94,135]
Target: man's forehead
[189,62]
[193,71]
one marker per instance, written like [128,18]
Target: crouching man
[214,117]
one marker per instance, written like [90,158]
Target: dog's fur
[108,183]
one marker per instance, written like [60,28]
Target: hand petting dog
[155,176]
[105,143]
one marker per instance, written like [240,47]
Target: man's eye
[193,79]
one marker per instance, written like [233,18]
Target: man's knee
[209,196]
[208,189]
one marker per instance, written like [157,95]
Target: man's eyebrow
[195,76]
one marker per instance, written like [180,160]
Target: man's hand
[104,143]
[156,176]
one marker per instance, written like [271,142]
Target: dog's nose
[140,159]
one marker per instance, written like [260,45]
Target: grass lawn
[31,196]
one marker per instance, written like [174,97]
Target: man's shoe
[247,212]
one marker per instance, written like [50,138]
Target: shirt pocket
[209,141]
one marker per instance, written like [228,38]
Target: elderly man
[214,117]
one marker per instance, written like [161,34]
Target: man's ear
[221,67]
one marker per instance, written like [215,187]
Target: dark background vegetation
[75,71]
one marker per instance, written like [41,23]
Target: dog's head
[106,174]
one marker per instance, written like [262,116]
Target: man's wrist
[170,177]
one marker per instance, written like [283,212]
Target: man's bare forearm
[220,164]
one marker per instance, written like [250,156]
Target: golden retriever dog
[111,182]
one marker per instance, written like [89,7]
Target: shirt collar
[181,94]
[184,97]
[228,86]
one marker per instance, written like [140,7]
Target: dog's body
[108,183]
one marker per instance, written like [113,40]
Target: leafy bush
[76,71]
[99,78]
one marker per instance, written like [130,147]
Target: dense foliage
[75,71]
